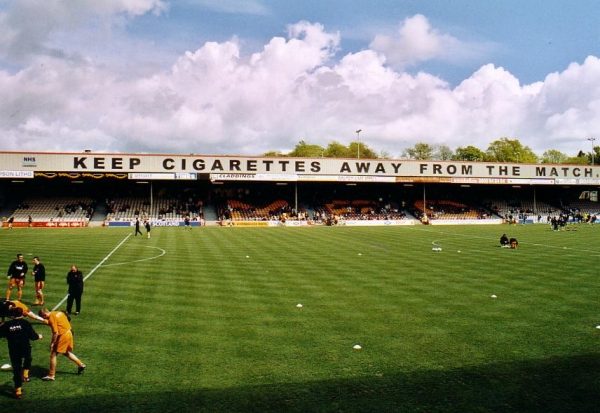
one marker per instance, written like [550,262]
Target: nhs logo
[29,161]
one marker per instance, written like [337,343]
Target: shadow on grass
[552,385]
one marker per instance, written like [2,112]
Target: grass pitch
[206,320]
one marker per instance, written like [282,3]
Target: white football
[6,367]
[357,347]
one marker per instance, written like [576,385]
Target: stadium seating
[80,209]
[450,210]
[362,209]
[244,211]
[167,209]
[66,209]
[583,207]
[523,207]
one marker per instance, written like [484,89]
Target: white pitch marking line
[142,260]
[94,269]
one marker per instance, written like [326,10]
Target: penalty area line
[94,269]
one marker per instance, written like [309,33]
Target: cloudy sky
[243,77]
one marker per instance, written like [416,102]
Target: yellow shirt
[20,305]
[58,322]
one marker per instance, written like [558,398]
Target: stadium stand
[583,207]
[168,209]
[518,209]
[70,209]
[361,209]
[237,210]
[449,209]
[328,204]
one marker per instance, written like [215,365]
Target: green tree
[468,153]
[304,149]
[596,157]
[553,156]
[273,154]
[421,151]
[385,154]
[442,152]
[577,160]
[336,150]
[364,151]
[580,159]
[510,150]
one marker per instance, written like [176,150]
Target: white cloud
[416,41]
[215,100]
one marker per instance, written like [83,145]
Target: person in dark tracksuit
[39,274]
[18,332]
[137,227]
[16,274]
[75,281]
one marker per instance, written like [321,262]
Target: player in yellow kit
[26,311]
[62,340]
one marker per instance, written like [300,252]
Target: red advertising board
[48,224]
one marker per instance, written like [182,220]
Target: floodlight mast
[358,143]
[592,140]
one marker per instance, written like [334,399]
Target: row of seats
[243,211]
[584,206]
[449,210]
[73,209]
[464,215]
[130,208]
[64,209]
[357,208]
[527,207]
